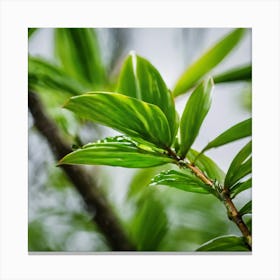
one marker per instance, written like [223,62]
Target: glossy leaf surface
[236,132]
[240,166]
[241,73]
[126,114]
[141,80]
[194,113]
[79,54]
[224,243]
[207,165]
[117,151]
[186,181]
[208,61]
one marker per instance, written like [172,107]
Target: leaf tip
[132,53]
[209,82]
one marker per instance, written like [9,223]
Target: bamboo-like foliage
[142,108]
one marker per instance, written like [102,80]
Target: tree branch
[222,193]
[96,203]
[233,213]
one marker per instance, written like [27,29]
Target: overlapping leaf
[241,73]
[184,181]
[141,180]
[207,165]
[141,80]
[150,223]
[117,151]
[46,76]
[126,114]
[248,222]
[244,170]
[194,113]
[224,243]
[240,166]
[236,132]
[79,54]
[246,209]
[208,61]
[240,187]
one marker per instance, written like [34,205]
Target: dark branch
[96,203]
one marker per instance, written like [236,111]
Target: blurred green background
[154,218]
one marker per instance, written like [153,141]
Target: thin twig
[222,193]
[234,215]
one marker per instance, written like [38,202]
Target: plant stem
[222,193]
[198,173]
[234,215]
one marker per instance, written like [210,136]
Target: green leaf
[150,223]
[236,132]
[43,75]
[246,209]
[207,165]
[186,181]
[141,180]
[208,61]
[141,80]
[240,187]
[244,170]
[79,54]
[117,151]
[246,97]
[37,237]
[126,114]
[225,243]
[248,222]
[31,31]
[240,166]
[241,73]
[194,113]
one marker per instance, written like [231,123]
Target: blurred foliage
[69,227]
[149,224]
[160,218]
[192,219]
[224,243]
[210,59]
[246,97]
[31,31]
[57,218]
[237,74]
[78,52]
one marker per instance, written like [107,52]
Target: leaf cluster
[142,108]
